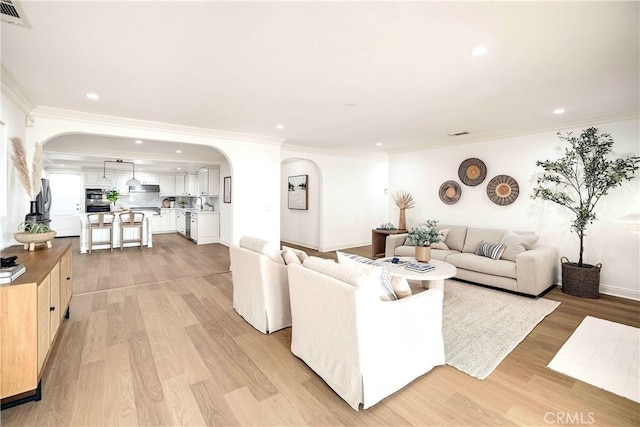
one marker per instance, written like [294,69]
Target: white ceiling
[247,66]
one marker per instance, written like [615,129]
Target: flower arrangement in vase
[423,237]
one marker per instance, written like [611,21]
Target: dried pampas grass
[30,181]
[403,200]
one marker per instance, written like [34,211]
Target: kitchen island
[101,235]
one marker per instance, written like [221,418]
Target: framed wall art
[226,196]
[298,196]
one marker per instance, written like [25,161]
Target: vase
[402,223]
[33,212]
[423,253]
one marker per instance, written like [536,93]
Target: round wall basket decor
[472,172]
[450,192]
[503,190]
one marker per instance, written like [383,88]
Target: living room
[350,187]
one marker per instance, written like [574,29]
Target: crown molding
[370,154]
[145,125]
[16,92]
[512,133]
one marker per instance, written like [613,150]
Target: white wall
[422,173]
[301,227]
[226,209]
[17,197]
[353,199]
[255,163]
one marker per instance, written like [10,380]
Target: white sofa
[523,268]
[260,284]
[365,349]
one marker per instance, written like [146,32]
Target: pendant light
[104,181]
[133,182]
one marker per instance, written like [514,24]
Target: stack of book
[420,267]
[9,274]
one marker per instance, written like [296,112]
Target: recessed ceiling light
[178,151]
[138,141]
[279,126]
[93,96]
[379,144]
[558,111]
[61,165]
[349,104]
[179,169]
[479,51]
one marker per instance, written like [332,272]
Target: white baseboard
[345,246]
[614,291]
[303,244]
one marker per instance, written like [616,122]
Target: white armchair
[365,349]
[260,285]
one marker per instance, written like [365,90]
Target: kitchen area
[183,203]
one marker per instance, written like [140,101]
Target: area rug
[604,354]
[482,326]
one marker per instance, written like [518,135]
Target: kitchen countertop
[194,210]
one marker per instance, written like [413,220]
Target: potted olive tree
[422,237]
[577,181]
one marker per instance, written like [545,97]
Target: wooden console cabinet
[379,240]
[31,311]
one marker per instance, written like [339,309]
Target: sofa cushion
[472,262]
[400,287]
[262,247]
[477,235]
[302,255]
[455,236]
[490,250]
[441,255]
[405,251]
[367,265]
[516,244]
[290,257]
[441,244]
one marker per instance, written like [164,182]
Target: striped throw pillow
[365,264]
[490,250]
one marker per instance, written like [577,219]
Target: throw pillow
[365,265]
[400,287]
[441,245]
[302,255]
[516,244]
[290,257]
[490,250]
[408,242]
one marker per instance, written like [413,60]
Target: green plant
[426,234]
[32,227]
[113,196]
[582,176]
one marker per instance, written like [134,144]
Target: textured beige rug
[482,326]
[604,354]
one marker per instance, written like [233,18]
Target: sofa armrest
[536,269]
[392,242]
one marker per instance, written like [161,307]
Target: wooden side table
[379,241]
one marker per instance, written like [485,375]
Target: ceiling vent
[458,133]
[11,12]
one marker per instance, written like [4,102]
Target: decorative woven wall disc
[472,172]
[450,192]
[503,190]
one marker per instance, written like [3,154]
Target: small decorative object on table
[403,200]
[422,237]
[386,226]
[31,233]
[113,197]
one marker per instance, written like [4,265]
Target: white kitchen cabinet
[120,180]
[207,227]
[209,182]
[90,178]
[192,185]
[148,178]
[180,188]
[167,220]
[155,223]
[181,223]
[167,185]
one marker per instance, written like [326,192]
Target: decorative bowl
[28,238]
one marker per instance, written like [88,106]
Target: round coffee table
[430,280]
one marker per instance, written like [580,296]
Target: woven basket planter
[582,281]
[29,240]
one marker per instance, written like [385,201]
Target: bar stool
[101,221]
[131,220]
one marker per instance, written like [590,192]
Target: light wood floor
[153,340]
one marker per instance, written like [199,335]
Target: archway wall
[254,163]
[353,199]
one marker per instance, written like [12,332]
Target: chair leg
[140,237]
[111,239]
[121,237]
[90,239]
